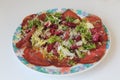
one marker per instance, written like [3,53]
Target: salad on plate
[62,39]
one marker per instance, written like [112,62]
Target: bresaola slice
[95,20]
[42,16]
[26,19]
[26,40]
[70,13]
[94,55]
[36,58]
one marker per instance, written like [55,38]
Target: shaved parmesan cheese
[65,51]
[79,43]
[73,33]
[66,43]
[89,25]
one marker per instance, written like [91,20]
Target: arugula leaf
[64,28]
[58,15]
[72,62]
[61,55]
[89,46]
[76,21]
[34,22]
[88,36]
[69,19]
[71,41]
[53,18]
[84,30]
[53,39]
[50,18]
[80,54]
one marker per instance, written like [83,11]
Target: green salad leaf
[80,54]
[89,46]
[53,39]
[64,28]
[69,19]
[72,62]
[85,32]
[61,55]
[34,22]
[53,18]
[58,14]
[82,28]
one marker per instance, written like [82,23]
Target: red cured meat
[25,41]
[34,57]
[70,13]
[26,19]
[94,56]
[42,16]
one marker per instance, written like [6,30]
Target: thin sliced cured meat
[42,16]
[26,19]
[95,20]
[94,56]
[25,41]
[70,13]
[34,57]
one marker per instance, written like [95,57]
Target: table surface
[13,11]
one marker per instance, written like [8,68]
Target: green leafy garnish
[80,54]
[83,39]
[35,40]
[84,20]
[69,19]
[89,46]
[72,62]
[50,55]
[64,28]
[53,39]
[34,22]
[82,28]
[76,21]
[58,15]
[85,33]
[88,36]
[53,18]
[61,55]
[71,41]
[50,18]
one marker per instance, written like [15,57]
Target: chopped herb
[64,28]
[85,33]
[89,46]
[88,36]
[76,21]
[53,39]
[72,62]
[82,27]
[80,54]
[50,55]
[71,41]
[84,20]
[61,55]
[52,18]
[58,15]
[34,22]
[83,39]
[69,19]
